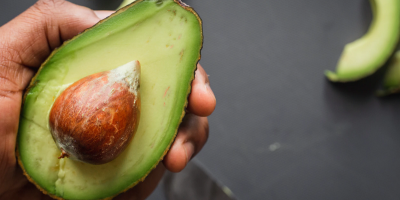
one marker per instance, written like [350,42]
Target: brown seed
[94,119]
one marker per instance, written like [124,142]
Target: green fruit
[391,82]
[367,54]
[166,38]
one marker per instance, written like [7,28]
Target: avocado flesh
[166,38]
[367,54]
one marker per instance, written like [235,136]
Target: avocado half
[367,54]
[166,38]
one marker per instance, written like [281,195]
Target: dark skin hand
[25,42]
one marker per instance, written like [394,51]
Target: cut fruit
[391,82]
[166,38]
[367,54]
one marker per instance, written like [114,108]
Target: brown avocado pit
[94,119]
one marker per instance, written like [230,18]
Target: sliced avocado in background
[166,37]
[367,54]
[391,81]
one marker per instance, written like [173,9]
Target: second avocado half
[367,54]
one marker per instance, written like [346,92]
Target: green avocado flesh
[166,38]
[367,54]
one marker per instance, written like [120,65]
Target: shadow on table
[191,183]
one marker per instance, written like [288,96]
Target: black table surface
[280,129]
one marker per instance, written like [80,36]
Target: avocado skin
[366,55]
[391,80]
[36,81]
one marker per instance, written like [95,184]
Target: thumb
[43,27]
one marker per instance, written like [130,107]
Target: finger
[144,189]
[201,100]
[191,137]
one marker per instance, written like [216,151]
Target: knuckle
[11,80]
[47,6]
[49,3]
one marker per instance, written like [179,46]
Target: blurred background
[280,129]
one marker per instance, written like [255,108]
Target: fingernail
[189,149]
[102,14]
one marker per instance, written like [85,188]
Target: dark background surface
[280,129]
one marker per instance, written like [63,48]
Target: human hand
[25,42]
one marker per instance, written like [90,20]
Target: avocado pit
[94,119]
